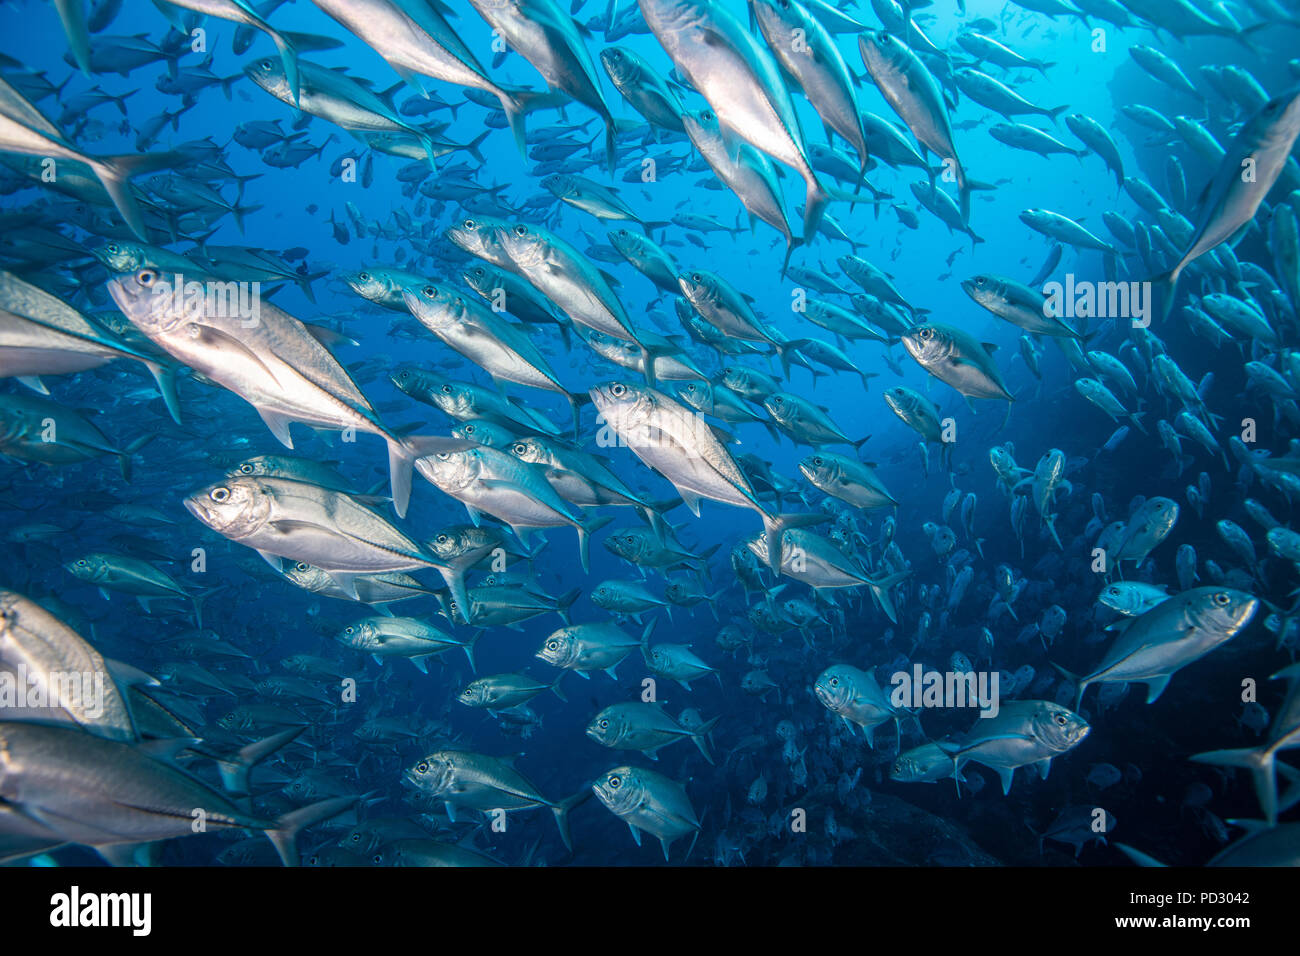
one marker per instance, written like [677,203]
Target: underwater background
[776,749]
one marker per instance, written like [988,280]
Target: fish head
[450,470]
[483,433]
[606,728]
[701,288]
[1057,727]
[477,235]
[820,469]
[835,688]
[698,395]
[1222,610]
[783,407]
[121,256]
[482,279]
[987,290]
[531,449]
[360,635]
[627,544]
[527,246]
[623,405]
[435,306]
[622,65]
[152,303]
[619,789]
[928,344]
[268,73]
[371,284]
[89,567]
[234,507]
[560,185]
[558,649]
[475,694]
[433,774]
[307,576]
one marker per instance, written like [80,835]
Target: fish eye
[377,859]
[695,277]
[447,389]
[356,838]
[817,461]
[980,280]
[469,429]
[519,448]
[778,400]
[442,539]
[1060,719]
[1222,599]
[835,682]
[146,277]
[365,277]
[470,224]
[615,782]
[349,629]
[111,247]
[618,390]
[246,468]
[429,291]
[422,767]
[521,230]
[219,494]
[924,334]
[443,456]
[552,645]
[604,724]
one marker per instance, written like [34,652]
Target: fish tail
[576,401]
[125,456]
[1080,682]
[1138,857]
[555,685]
[611,145]
[1263,770]
[289,57]
[454,578]
[792,243]
[165,377]
[73,15]
[285,835]
[401,463]
[814,207]
[234,769]
[1054,113]
[114,173]
[585,529]
[468,648]
[561,812]
[473,146]
[701,738]
[776,527]
[565,602]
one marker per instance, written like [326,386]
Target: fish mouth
[199,510]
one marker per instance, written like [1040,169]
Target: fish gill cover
[783,430]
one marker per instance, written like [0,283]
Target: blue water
[879,820]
